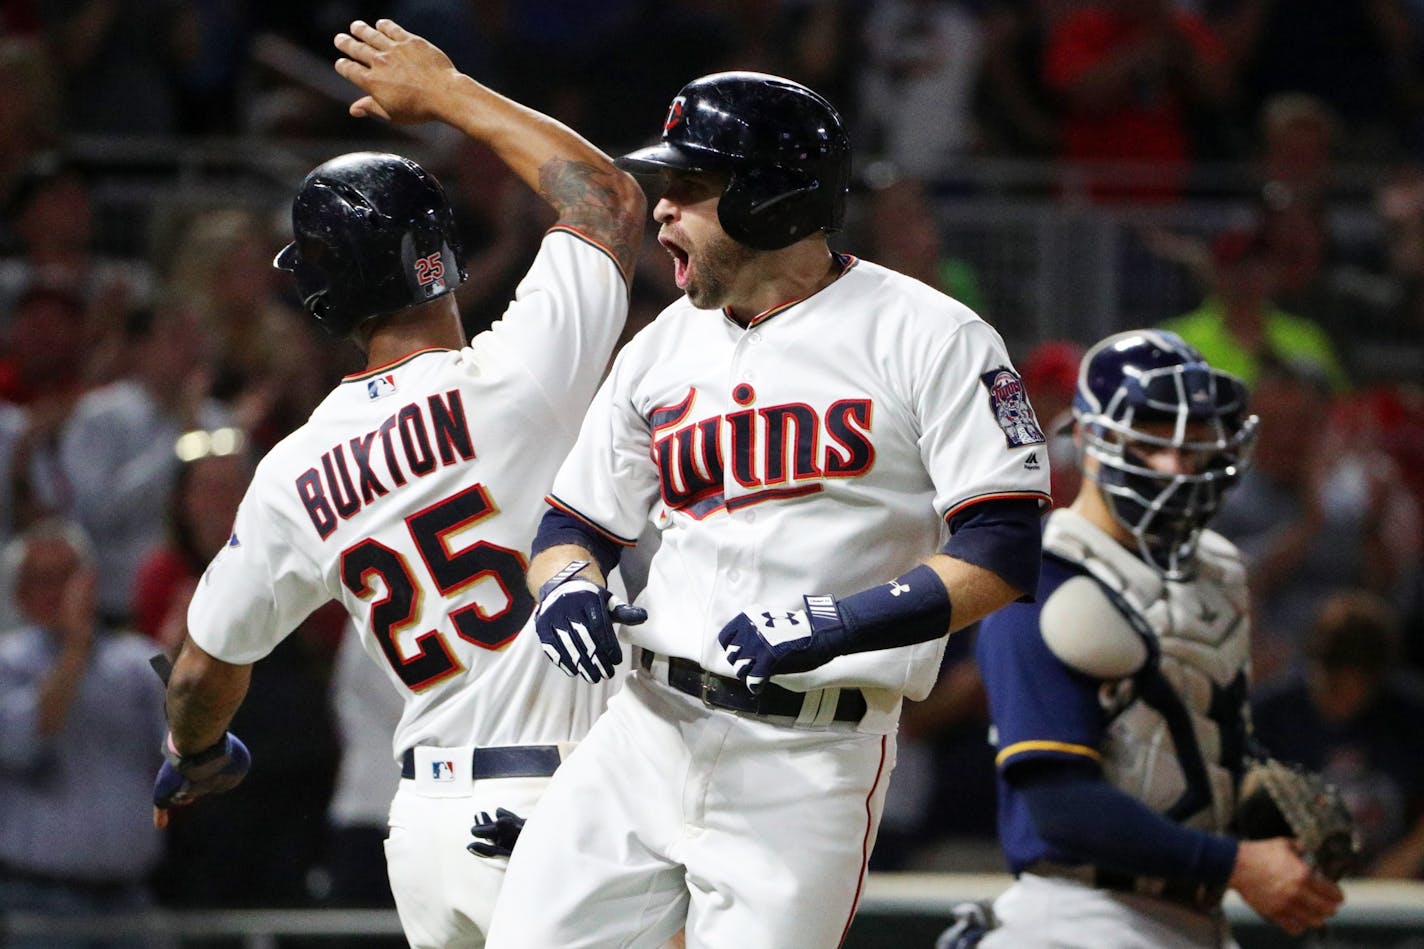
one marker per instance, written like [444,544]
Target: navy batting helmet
[784,146]
[1144,390]
[374,234]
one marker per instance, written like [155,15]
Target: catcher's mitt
[1281,800]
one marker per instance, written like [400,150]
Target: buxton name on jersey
[345,478]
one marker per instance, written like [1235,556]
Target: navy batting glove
[575,624]
[184,778]
[497,837]
[761,643]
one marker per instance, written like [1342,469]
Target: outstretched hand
[401,73]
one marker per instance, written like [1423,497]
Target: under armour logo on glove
[762,643]
[575,624]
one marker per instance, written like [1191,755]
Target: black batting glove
[575,624]
[497,837]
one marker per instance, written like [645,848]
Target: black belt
[503,761]
[1199,896]
[725,692]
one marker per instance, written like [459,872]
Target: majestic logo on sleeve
[773,451]
[1008,400]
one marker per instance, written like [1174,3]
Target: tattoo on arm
[591,199]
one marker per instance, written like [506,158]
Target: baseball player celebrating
[1119,697]
[414,486]
[801,422]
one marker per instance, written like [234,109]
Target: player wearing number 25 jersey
[412,491]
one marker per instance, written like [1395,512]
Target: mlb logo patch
[1008,400]
[442,770]
[233,541]
[381,386]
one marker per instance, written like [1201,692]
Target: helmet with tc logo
[783,145]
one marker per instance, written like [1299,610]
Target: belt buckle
[707,684]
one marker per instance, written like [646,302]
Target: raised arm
[408,80]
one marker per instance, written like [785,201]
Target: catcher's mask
[373,234]
[783,144]
[1143,390]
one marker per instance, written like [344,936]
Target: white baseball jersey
[411,495]
[819,450]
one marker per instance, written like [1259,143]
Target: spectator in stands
[118,59]
[1298,140]
[1355,718]
[42,361]
[1316,512]
[30,485]
[917,83]
[52,214]
[29,114]
[117,449]
[1238,325]
[271,364]
[1360,58]
[215,472]
[1016,113]
[81,725]
[1131,75]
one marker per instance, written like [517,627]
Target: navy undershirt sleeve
[558,527]
[1003,536]
[1078,812]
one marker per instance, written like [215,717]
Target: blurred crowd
[141,379]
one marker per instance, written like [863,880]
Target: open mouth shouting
[681,261]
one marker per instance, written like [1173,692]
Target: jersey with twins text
[411,495]
[818,450]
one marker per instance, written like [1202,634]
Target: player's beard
[718,264]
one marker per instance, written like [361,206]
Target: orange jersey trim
[555,503]
[593,242]
[1043,500]
[767,314]
[393,364]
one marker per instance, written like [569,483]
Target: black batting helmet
[783,144]
[374,234]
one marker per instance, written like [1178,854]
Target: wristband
[912,608]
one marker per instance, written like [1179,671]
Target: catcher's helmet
[374,234]
[783,144]
[1139,377]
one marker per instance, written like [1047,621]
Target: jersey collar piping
[846,262]
[393,364]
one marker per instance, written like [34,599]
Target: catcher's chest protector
[1199,637]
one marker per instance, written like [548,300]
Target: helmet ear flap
[770,207]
